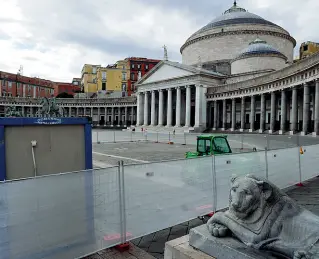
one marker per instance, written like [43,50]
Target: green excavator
[210,145]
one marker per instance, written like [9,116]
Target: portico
[174,95]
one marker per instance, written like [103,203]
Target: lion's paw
[217,230]
[303,255]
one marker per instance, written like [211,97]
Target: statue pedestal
[223,248]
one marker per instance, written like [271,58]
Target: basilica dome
[258,56]
[223,39]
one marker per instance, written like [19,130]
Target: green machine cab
[210,145]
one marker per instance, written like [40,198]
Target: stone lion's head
[247,194]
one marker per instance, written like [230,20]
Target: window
[103,75]
[221,145]
[138,66]
[203,146]
[124,76]
[146,67]
[123,87]
[9,85]
[103,86]
[132,76]
[94,70]
[139,75]
[133,66]
[305,48]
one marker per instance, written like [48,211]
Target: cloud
[54,38]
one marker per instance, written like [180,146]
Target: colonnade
[291,109]
[172,107]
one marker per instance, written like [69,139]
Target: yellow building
[89,78]
[109,79]
[308,48]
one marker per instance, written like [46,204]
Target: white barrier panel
[59,217]
[309,162]
[283,167]
[160,195]
[237,164]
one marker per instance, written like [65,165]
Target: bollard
[184,139]
[97,138]
[157,137]
[114,136]
[266,161]
[300,184]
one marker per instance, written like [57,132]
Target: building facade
[16,85]
[308,48]
[89,78]
[105,112]
[69,88]
[237,74]
[138,67]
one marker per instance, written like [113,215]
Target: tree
[64,95]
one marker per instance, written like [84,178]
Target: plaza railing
[76,214]
[238,142]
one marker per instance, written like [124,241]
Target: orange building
[69,88]
[22,86]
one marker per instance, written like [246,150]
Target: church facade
[237,73]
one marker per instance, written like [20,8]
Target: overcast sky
[52,39]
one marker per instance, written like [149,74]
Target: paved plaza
[142,150]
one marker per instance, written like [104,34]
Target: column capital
[198,85]
[317,80]
[169,89]
[177,87]
[160,90]
[188,86]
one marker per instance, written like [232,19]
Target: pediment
[163,72]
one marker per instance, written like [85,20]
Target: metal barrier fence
[246,142]
[75,214]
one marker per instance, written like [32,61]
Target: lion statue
[263,217]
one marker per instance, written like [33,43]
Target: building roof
[259,47]
[233,16]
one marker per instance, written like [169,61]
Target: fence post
[123,245]
[242,142]
[114,136]
[299,162]
[214,184]
[266,161]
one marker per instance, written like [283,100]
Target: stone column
[316,118]
[126,118]
[160,108]
[77,111]
[169,107]
[98,116]
[153,109]
[92,113]
[70,111]
[178,107]
[105,115]
[224,115]
[215,115]
[262,113]
[132,115]
[252,113]
[294,111]
[306,109]
[119,116]
[140,109]
[112,117]
[233,114]
[283,112]
[146,109]
[188,107]
[272,112]
[199,106]
[242,114]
